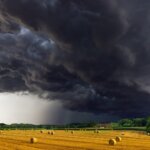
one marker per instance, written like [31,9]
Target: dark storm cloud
[96,61]
[28,58]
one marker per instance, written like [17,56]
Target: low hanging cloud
[92,56]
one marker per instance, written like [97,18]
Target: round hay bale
[52,132]
[41,131]
[148,134]
[72,132]
[118,139]
[97,131]
[122,133]
[112,142]
[33,140]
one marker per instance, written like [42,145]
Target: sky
[17,108]
[23,108]
[89,59]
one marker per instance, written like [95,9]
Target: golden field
[78,140]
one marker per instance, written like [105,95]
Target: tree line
[123,123]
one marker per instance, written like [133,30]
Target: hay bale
[97,131]
[33,140]
[118,139]
[122,133]
[72,132]
[51,132]
[41,131]
[148,134]
[112,142]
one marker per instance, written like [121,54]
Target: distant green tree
[114,125]
[139,122]
[126,123]
[148,125]
[2,124]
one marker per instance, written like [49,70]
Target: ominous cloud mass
[93,56]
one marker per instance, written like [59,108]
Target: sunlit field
[77,140]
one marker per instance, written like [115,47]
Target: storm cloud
[93,56]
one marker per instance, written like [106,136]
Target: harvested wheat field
[79,140]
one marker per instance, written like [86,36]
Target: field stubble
[79,140]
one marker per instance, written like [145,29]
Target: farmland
[77,140]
